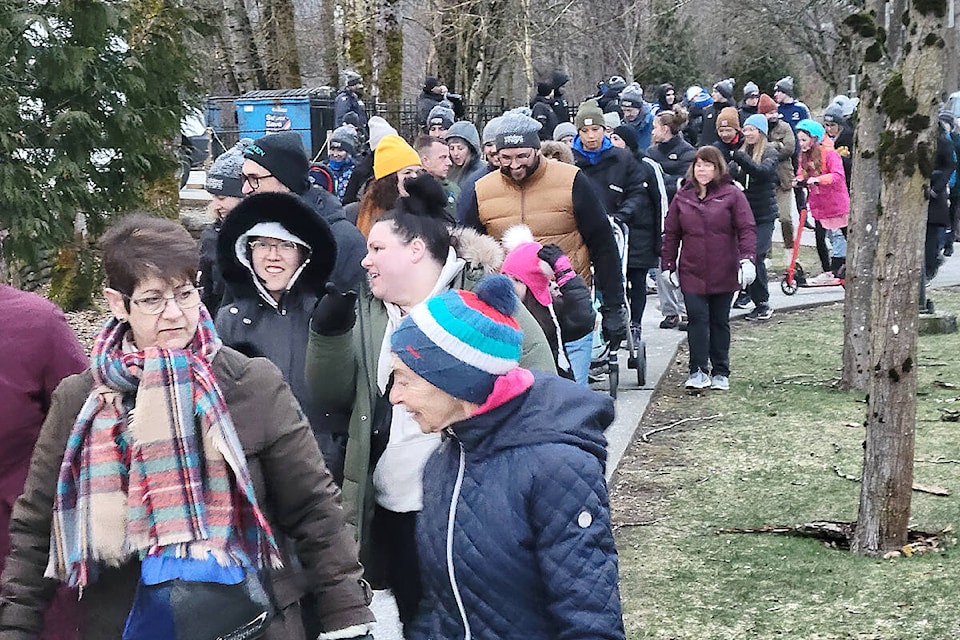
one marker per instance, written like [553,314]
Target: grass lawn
[775,454]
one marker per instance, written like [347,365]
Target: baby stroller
[606,358]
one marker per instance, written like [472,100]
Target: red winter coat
[716,234]
[39,350]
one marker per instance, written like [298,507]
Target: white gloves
[672,278]
[747,273]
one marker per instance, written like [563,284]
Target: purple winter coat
[39,350]
[716,233]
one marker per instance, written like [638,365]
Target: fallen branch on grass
[932,489]
[645,436]
[644,523]
[939,461]
[839,535]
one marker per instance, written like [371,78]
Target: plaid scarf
[163,474]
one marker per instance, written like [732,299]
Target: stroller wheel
[788,288]
[641,364]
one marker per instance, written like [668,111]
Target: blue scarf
[593,157]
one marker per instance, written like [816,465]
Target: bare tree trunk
[865,202]
[388,53]
[280,44]
[908,105]
[358,36]
[244,61]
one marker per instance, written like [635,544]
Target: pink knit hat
[523,264]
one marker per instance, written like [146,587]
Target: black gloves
[335,313]
[613,323]
[549,254]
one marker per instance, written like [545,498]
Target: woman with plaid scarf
[175,457]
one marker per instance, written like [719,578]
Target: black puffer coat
[674,156]
[759,180]
[259,326]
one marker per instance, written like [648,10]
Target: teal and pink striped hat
[462,341]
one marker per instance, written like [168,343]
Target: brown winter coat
[292,486]
[784,141]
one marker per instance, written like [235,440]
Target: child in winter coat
[550,290]
[821,172]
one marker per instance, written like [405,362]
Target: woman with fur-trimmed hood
[412,254]
[276,254]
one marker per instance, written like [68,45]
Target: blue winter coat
[531,551]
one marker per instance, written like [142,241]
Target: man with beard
[561,206]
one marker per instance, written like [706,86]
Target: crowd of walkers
[374,370]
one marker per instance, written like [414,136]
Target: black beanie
[430,83]
[544,88]
[629,137]
[283,156]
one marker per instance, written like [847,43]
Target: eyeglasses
[253,179]
[284,247]
[154,305]
[520,158]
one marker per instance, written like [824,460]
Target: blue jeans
[579,353]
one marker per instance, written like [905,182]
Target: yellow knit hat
[392,154]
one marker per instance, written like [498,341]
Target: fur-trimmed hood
[480,251]
[296,217]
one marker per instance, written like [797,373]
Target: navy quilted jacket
[528,551]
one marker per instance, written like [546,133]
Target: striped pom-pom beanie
[462,341]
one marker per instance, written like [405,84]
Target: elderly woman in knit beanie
[517,486]
[394,161]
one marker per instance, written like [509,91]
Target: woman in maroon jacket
[39,350]
[711,219]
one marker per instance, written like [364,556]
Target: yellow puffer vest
[543,202]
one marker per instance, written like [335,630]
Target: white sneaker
[720,383]
[826,277]
[698,380]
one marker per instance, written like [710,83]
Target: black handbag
[193,610]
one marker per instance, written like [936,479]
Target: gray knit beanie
[563,130]
[491,129]
[225,176]
[466,131]
[518,131]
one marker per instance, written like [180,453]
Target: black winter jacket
[759,180]
[674,156]
[945,163]
[351,246]
[708,130]
[542,111]
[631,192]
[259,326]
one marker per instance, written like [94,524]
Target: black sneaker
[761,312]
[743,301]
[670,322]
